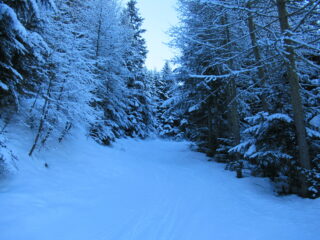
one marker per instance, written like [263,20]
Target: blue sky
[159,15]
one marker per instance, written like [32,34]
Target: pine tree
[63,99]
[111,74]
[167,121]
[241,68]
[22,53]
[210,80]
[21,50]
[140,117]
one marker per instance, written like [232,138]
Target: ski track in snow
[144,190]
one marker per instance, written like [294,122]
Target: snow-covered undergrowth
[143,190]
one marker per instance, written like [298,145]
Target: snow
[4,86]
[151,189]
[6,11]
[252,149]
[280,116]
[315,121]
[35,8]
[194,108]
[241,146]
[313,133]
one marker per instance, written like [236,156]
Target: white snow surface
[315,121]
[142,190]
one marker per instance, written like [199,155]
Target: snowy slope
[144,190]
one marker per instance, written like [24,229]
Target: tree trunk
[99,31]
[233,112]
[211,135]
[43,117]
[298,113]
[257,55]
[232,94]
[41,125]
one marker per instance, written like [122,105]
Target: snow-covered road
[145,190]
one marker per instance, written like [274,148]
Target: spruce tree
[137,88]
[246,72]
[167,121]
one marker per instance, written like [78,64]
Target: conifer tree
[167,121]
[110,73]
[21,52]
[135,55]
[245,73]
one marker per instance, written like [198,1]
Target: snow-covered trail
[145,190]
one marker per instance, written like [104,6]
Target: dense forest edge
[244,88]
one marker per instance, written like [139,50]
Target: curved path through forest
[146,190]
